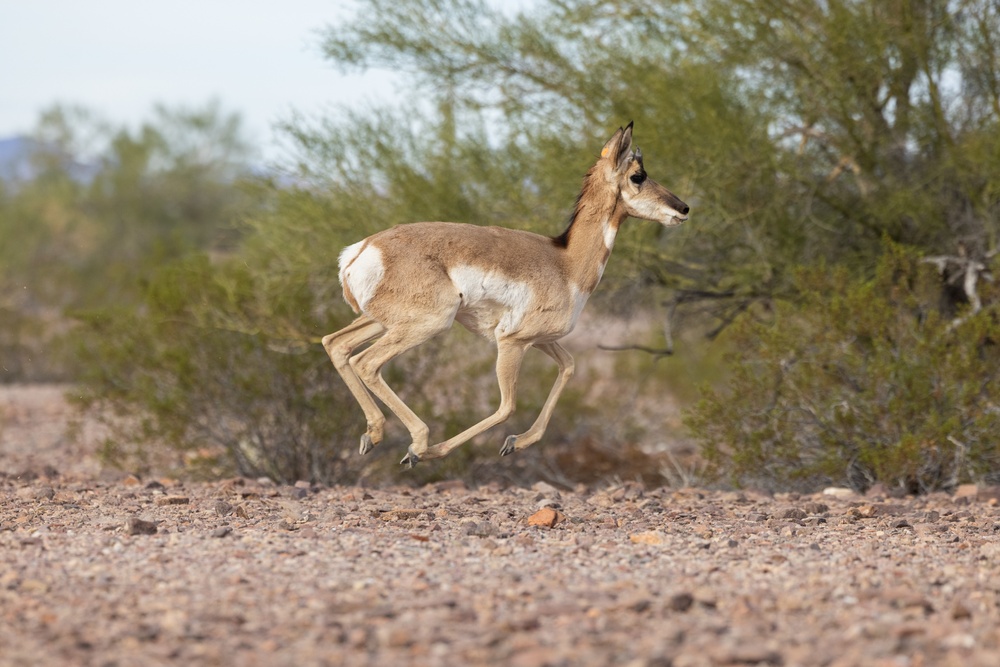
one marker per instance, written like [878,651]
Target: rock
[480,529]
[794,513]
[136,526]
[960,612]
[546,488]
[653,538]
[172,500]
[966,491]
[33,493]
[222,508]
[546,517]
[815,508]
[680,602]
[839,492]
[704,532]
[863,511]
[402,514]
[222,531]
[131,480]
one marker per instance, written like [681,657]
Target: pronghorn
[514,288]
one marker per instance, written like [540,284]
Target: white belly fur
[492,304]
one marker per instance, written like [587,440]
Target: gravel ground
[98,568]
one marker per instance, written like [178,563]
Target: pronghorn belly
[492,305]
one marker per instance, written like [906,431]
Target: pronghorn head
[642,197]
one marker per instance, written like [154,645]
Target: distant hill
[18,162]
[16,158]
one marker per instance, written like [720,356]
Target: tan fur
[515,288]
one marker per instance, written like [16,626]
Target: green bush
[178,376]
[211,376]
[859,381]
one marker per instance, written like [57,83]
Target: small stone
[546,488]
[794,513]
[241,511]
[815,508]
[302,484]
[136,526]
[960,612]
[402,514]
[172,500]
[652,538]
[863,511]
[222,508]
[222,531]
[901,523]
[704,532]
[839,492]
[131,480]
[479,529]
[546,518]
[680,602]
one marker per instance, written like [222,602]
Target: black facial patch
[638,177]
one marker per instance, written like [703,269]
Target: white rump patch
[361,270]
[491,299]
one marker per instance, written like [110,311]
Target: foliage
[104,206]
[802,134]
[799,132]
[860,381]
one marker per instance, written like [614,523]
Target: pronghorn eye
[638,177]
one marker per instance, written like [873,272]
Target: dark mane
[562,240]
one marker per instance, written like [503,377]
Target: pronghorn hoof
[366,444]
[410,459]
[508,445]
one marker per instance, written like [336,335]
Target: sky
[119,58]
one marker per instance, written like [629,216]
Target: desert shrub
[858,381]
[174,376]
[211,376]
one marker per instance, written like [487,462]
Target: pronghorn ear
[611,148]
[619,147]
[624,148]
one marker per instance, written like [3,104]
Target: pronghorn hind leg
[368,366]
[537,430]
[509,357]
[339,347]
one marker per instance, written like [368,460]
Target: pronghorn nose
[684,209]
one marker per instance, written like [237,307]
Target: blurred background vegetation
[831,294]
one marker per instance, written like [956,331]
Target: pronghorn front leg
[339,347]
[509,356]
[537,430]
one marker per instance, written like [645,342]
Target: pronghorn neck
[592,231]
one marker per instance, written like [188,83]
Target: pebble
[137,526]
